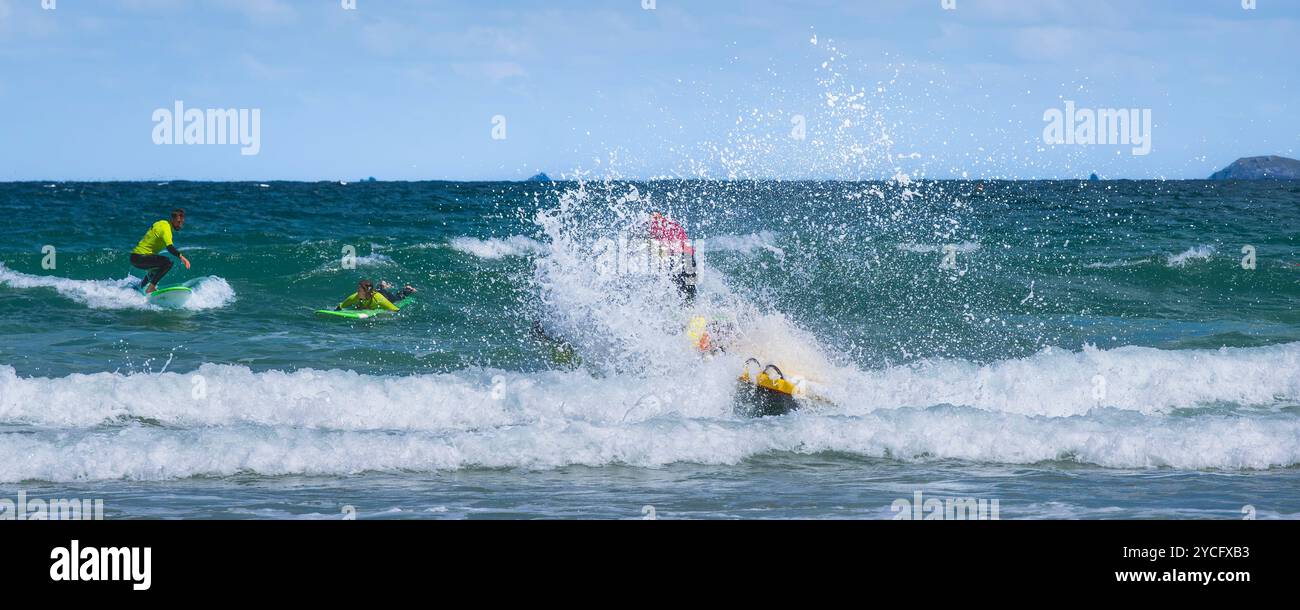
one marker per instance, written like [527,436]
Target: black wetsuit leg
[157,266]
[394,297]
[685,280]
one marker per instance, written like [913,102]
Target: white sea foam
[743,244]
[965,247]
[1054,383]
[1115,264]
[1062,383]
[209,293]
[1017,411]
[496,248]
[373,259]
[1190,255]
[1109,439]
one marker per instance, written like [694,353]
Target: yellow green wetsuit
[376,301]
[145,255]
[157,239]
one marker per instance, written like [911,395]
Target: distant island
[540,177]
[1271,167]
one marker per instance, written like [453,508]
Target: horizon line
[160,181]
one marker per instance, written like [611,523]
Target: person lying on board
[386,289]
[366,297]
[146,253]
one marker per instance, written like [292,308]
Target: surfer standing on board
[146,253]
[672,244]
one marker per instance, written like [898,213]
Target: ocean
[1065,349]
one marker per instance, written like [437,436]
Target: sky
[503,89]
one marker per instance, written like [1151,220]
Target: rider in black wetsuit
[386,289]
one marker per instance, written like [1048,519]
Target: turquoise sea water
[1071,349]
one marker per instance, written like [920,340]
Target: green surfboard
[363,314]
[171,297]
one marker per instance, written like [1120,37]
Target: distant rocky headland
[1271,167]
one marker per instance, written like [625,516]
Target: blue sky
[407,89]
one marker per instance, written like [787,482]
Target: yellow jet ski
[768,392]
[761,390]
